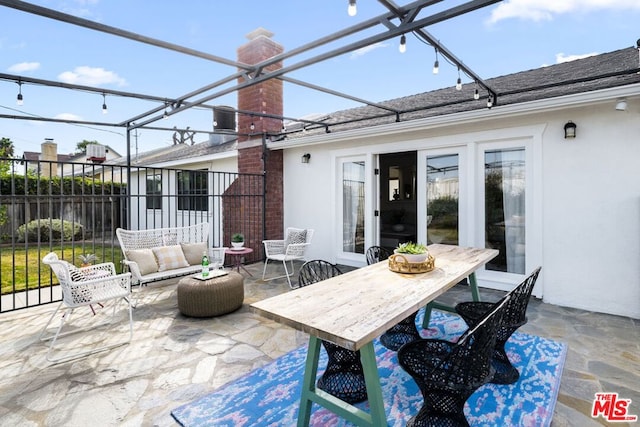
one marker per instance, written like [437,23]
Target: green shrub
[44,229]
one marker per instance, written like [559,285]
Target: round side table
[236,256]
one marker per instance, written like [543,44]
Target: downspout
[265,153]
[128,198]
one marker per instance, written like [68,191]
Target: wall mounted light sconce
[570,130]
[306,158]
[621,105]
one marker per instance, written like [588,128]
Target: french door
[478,195]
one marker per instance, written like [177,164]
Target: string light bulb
[165,115]
[19,99]
[476,94]
[352,9]
[489,101]
[252,126]
[459,81]
[403,44]
[104,104]
[436,65]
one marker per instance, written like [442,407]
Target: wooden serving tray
[399,264]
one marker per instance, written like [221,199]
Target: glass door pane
[443,190]
[353,175]
[504,191]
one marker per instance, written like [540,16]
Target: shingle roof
[596,72]
[34,156]
[177,152]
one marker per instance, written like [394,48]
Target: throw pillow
[75,273]
[296,236]
[193,252]
[145,259]
[79,294]
[170,257]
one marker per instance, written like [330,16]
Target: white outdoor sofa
[162,253]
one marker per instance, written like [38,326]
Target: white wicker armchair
[291,248]
[81,287]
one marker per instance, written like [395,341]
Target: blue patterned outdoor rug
[269,396]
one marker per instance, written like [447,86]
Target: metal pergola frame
[255,74]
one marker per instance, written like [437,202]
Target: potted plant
[237,240]
[87,259]
[413,252]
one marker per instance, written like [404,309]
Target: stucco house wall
[583,222]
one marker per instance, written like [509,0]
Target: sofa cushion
[170,257]
[193,252]
[145,259]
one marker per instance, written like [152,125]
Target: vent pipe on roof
[224,118]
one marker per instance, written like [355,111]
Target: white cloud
[91,76]
[561,57]
[24,67]
[364,50]
[545,10]
[68,116]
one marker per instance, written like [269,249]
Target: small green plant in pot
[237,240]
[413,252]
[87,259]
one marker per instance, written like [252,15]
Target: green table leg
[377,417]
[475,296]
[374,388]
[309,381]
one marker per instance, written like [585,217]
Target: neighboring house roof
[608,70]
[177,152]
[34,156]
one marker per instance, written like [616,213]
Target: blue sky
[511,36]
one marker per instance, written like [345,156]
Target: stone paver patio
[174,359]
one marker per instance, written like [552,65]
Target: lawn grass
[20,266]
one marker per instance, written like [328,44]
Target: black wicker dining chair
[376,254]
[406,330]
[448,373]
[515,316]
[344,375]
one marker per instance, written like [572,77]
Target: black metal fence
[73,209]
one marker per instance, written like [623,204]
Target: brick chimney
[253,158]
[49,157]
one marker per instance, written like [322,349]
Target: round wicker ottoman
[212,297]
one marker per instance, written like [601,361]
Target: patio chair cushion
[145,259]
[170,257]
[193,252]
[296,236]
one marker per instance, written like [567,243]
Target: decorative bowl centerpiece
[411,258]
[412,252]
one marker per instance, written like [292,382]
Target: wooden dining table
[354,308]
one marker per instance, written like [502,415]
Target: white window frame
[531,143]
[463,226]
